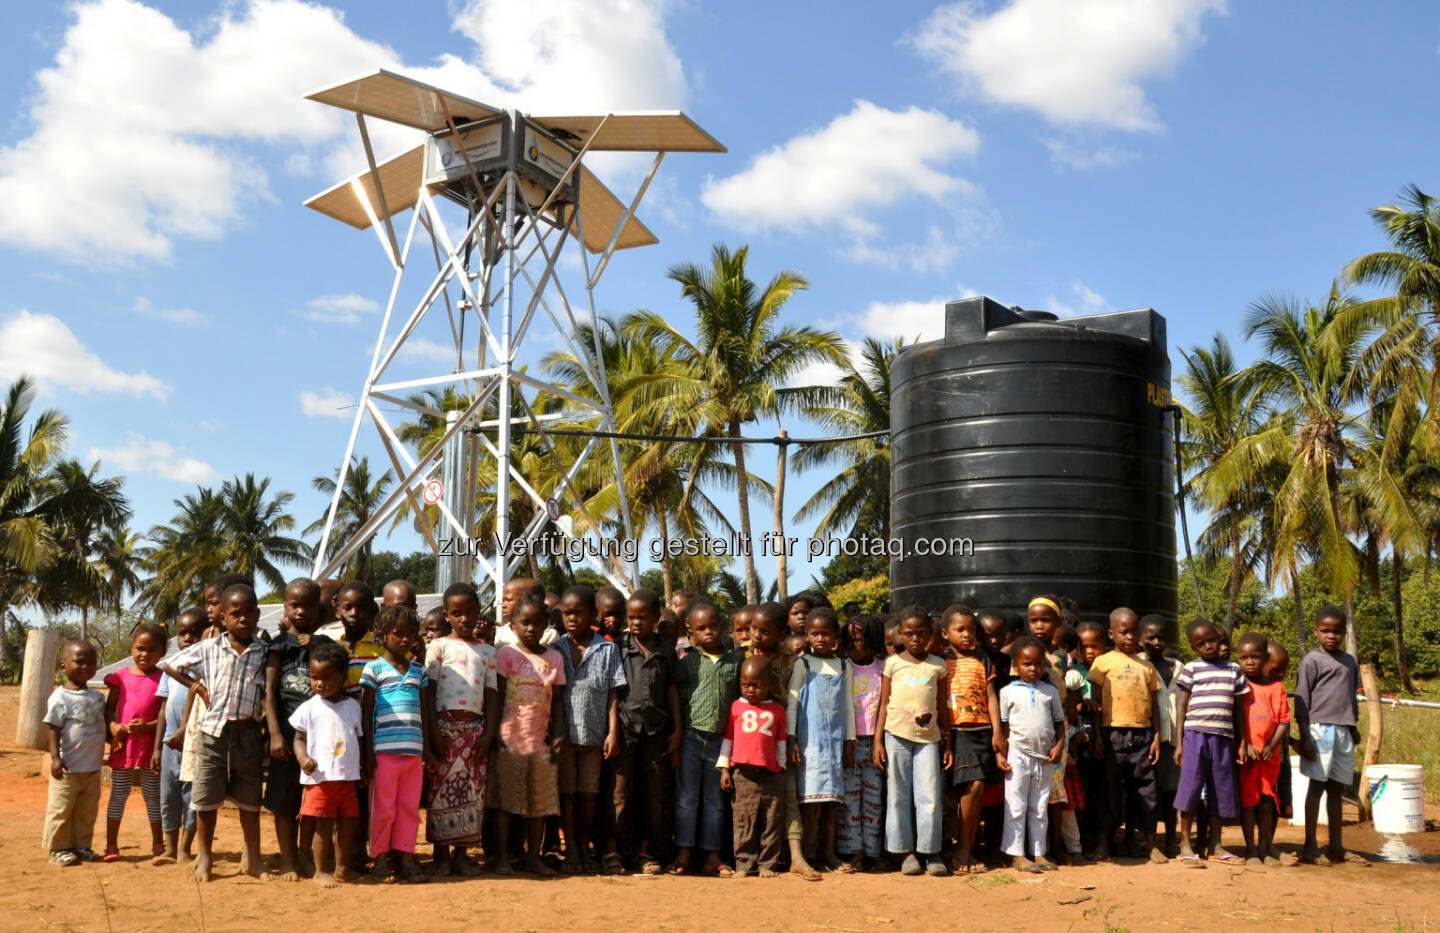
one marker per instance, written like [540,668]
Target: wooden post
[38,679]
[1376,732]
[782,583]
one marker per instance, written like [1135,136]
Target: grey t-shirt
[80,717]
[1325,688]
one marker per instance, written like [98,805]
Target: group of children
[782,735]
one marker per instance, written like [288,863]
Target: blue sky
[172,296]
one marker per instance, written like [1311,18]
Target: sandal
[648,866]
[612,864]
[112,854]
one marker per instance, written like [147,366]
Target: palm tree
[734,372]
[117,559]
[1222,411]
[1307,370]
[27,543]
[252,526]
[237,529]
[658,474]
[1408,345]
[359,499]
[182,555]
[857,499]
[84,507]
[1398,487]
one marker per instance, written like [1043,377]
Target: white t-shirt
[461,671]
[505,635]
[332,737]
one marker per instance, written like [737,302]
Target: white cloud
[886,320]
[864,160]
[41,346]
[339,309]
[328,403]
[142,455]
[1073,61]
[418,349]
[1065,154]
[144,306]
[141,133]
[1082,300]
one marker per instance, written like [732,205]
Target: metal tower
[526,196]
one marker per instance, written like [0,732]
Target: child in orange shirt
[1266,711]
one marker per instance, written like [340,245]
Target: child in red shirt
[751,765]
[1266,712]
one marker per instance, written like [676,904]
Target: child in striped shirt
[1209,719]
[395,733]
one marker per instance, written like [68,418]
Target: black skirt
[971,757]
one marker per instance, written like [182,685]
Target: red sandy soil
[133,895]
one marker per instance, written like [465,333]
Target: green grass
[1412,737]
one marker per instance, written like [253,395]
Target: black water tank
[1045,443]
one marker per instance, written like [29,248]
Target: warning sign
[433,492]
[552,508]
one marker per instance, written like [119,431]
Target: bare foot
[253,867]
[1157,857]
[536,866]
[306,865]
[326,880]
[163,860]
[766,873]
[502,866]
[184,858]
[288,872]
[345,875]
[441,868]
[742,873]
[202,868]
[466,867]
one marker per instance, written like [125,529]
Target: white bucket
[1299,787]
[1396,795]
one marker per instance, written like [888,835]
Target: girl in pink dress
[132,710]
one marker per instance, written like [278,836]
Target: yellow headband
[1045,601]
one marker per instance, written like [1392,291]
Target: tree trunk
[742,492]
[1299,609]
[1352,647]
[1400,666]
[1332,482]
[666,573]
[4,645]
[782,584]
[84,622]
[1233,587]
[1429,549]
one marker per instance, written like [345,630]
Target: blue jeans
[697,792]
[174,795]
[914,814]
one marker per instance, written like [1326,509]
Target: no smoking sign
[433,492]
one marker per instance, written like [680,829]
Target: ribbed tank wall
[1046,444]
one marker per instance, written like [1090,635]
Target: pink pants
[395,803]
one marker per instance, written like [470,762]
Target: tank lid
[973,318]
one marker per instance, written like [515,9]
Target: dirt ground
[1127,895]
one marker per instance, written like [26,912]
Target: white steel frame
[494,247]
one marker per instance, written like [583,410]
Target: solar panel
[398,99]
[669,130]
[399,176]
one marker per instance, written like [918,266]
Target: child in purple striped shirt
[1210,722]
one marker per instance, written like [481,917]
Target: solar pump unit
[486,149]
